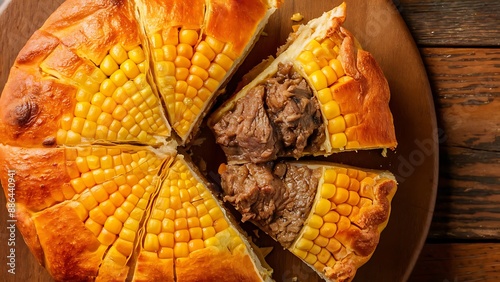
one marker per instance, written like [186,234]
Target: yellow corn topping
[319,60]
[343,195]
[114,102]
[110,190]
[185,217]
[189,67]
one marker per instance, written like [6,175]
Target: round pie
[103,100]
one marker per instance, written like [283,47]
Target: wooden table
[460,45]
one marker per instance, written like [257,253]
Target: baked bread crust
[217,265]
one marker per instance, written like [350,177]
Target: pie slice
[322,94]
[329,215]
[83,78]
[79,209]
[188,229]
[196,46]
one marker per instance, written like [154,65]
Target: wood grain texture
[466,87]
[452,22]
[458,262]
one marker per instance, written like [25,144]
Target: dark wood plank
[458,262]
[452,22]
[466,87]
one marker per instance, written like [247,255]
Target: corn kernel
[156,40]
[93,226]
[328,190]
[299,253]
[82,109]
[119,78]
[321,241]
[124,247]
[322,207]
[224,61]
[344,209]
[188,36]
[342,180]
[331,109]
[127,234]
[137,55]
[167,225]
[304,244]
[315,221]
[118,54]
[324,95]
[196,244]
[331,75]
[108,65]
[151,243]
[354,198]
[315,250]
[196,233]
[337,67]
[338,140]
[107,87]
[83,96]
[99,193]
[332,217]
[181,250]
[182,62]
[206,220]
[215,44]
[336,125]
[216,72]
[328,230]
[181,235]
[166,240]
[311,67]
[194,81]
[333,245]
[113,225]
[208,232]
[206,50]
[310,258]
[88,179]
[343,224]
[131,224]
[340,196]
[306,57]
[98,216]
[310,233]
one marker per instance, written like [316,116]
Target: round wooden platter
[380,29]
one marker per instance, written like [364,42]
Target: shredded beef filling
[276,198]
[246,133]
[280,117]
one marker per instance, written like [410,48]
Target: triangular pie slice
[79,209]
[188,230]
[329,215]
[322,94]
[196,46]
[83,77]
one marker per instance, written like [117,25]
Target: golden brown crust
[31,108]
[235,21]
[157,15]
[91,27]
[71,251]
[151,268]
[368,97]
[47,164]
[216,265]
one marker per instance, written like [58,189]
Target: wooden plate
[380,29]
